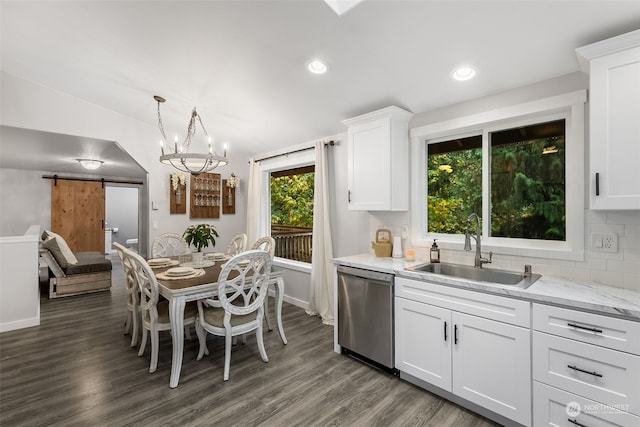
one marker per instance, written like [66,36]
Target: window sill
[303,267]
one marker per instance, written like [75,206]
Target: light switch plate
[405,231]
[604,242]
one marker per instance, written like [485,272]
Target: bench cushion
[88,262]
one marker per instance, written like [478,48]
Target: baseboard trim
[20,324]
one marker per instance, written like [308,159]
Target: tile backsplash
[620,269]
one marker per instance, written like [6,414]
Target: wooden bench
[92,273]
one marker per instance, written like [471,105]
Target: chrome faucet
[467,242]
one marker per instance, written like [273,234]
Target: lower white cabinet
[555,407]
[423,342]
[483,361]
[586,369]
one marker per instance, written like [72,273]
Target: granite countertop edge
[600,299]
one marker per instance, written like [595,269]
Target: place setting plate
[176,273]
[162,262]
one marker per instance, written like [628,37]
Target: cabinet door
[369,170]
[422,342]
[614,139]
[557,408]
[492,365]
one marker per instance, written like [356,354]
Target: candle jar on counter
[410,254]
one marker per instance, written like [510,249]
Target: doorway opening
[122,217]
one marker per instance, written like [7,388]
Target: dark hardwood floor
[77,369]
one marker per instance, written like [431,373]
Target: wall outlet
[405,231]
[604,242]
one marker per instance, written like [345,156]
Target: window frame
[274,164]
[571,108]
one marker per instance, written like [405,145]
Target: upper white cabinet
[614,137]
[378,160]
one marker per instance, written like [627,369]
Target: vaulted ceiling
[242,63]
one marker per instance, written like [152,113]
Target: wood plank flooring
[77,369]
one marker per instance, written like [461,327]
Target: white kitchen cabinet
[423,342]
[378,160]
[557,408]
[483,361]
[614,135]
[491,364]
[581,356]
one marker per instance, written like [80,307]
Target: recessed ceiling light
[90,164]
[317,67]
[463,73]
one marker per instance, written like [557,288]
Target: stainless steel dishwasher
[365,314]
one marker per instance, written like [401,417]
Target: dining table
[180,290]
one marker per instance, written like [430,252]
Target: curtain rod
[102,180]
[329,144]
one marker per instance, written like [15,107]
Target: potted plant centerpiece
[200,235]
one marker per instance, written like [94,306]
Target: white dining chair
[236,245]
[242,287]
[155,314]
[267,244]
[169,244]
[132,319]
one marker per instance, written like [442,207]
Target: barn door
[77,213]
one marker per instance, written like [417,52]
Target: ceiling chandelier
[183,159]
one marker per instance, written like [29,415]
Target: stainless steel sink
[500,277]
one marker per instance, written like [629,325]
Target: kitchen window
[520,169]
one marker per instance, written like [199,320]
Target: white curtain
[253,203]
[321,301]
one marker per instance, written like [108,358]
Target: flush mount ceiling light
[181,158]
[90,164]
[463,73]
[316,66]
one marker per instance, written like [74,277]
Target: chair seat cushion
[214,316]
[88,262]
[190,311]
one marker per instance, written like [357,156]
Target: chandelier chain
[160,125]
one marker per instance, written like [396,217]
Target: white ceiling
[242,63]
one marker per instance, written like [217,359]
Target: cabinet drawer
[553,407]
[610,332]
[507,310]
[604,375]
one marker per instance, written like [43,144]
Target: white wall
[19,287]
[25,199]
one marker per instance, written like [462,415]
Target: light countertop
[592,297]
